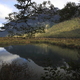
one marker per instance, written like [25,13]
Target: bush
[71,73]
[14,72]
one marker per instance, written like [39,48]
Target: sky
[7,6]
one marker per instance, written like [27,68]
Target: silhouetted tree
[28,10]
[68,11]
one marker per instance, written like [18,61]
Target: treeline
[70,10]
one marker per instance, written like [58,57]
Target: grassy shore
[5,41]
[64,42]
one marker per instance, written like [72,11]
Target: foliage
[71,73]
[21,72]
[14,72]
[28,10]
[69,11]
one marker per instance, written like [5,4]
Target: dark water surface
[45,54]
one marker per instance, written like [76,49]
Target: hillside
[69,28]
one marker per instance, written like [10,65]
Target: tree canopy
[70,10]
[28,10]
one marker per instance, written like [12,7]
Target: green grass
[68,29]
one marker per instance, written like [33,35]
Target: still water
[45,54]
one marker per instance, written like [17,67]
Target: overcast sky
[7,6]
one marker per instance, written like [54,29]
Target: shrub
[14,72]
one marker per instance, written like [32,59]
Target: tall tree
[68,11]
[28,10]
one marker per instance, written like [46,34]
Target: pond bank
[64,42]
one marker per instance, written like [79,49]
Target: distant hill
[69,28]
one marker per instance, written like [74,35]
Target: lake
[45,54]
[38,56]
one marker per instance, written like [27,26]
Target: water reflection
[7,57]
[44,54]
[39,54]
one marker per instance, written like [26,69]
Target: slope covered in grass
[69,28]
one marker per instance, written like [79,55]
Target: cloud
[0,25]
[6,6]
[57,3]
[4,11]
[61,3]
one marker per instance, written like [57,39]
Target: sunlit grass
[68,29]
